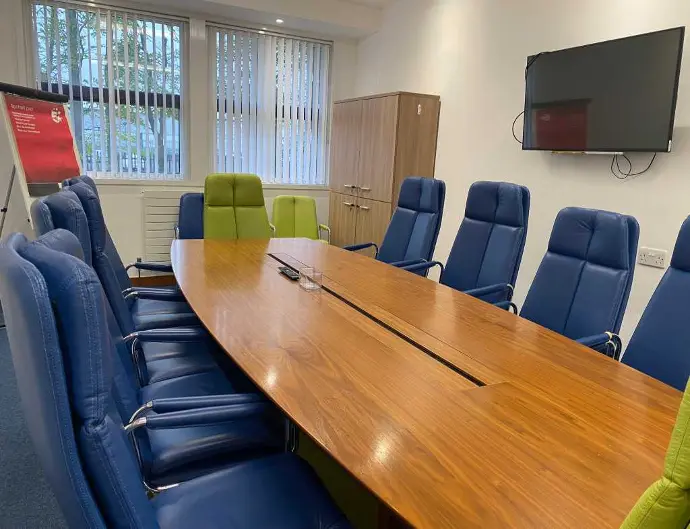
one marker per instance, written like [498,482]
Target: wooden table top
[453,412]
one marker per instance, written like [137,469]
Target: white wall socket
[652,257]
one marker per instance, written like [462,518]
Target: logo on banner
[56,115]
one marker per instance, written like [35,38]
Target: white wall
[122,202]
[472,53]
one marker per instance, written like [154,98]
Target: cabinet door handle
[365,208]
[365,188]
[349,186]
[348,204]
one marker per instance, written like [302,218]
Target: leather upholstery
[62,210]
[190,222]
[489,245]
[666,503]
[234,207]
[583,283]
[40,374]
[659,345]
[108,245]
[67,374]
[414,227]
[295,216]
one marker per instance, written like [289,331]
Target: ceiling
[372,3]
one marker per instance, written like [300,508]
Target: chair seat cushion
[276,492]
[179,366]
[181,454]
[156,314]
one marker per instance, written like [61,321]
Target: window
[123,74]
[272,100]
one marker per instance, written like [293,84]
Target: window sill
[190,184]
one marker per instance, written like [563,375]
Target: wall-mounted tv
[614,96]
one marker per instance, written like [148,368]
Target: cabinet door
[377,148]
[373,218]
[345,142]
[342,215]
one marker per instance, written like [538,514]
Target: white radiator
[160,217]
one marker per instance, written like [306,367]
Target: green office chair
[295,216]
[666,504]
[234,207]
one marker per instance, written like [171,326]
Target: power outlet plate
[652,257]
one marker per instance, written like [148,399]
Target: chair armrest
[200,416]
[323,227]
[170,335]
[491,289]
[409,262]
[193,403]
[424,266]
[607,343]
[159,294]
[358,247]
[152,267]
[507,305]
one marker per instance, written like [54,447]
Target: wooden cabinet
[377,142]
[343,219]
[346,133]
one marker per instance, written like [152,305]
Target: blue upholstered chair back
[489,245]
[105,452]
[101,257]
[62,210]
[583,283]
[415,224]
[108,245]
[190,222]
[43,384]
[659,345]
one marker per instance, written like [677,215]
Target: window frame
[182,101]
[212,27]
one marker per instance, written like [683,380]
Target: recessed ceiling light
[264,29]
[279,21]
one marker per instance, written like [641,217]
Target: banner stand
[43,149]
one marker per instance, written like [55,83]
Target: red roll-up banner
[44,139]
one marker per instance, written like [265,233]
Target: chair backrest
[109,245]
[414,227]
[190,223]
[666,503]
[659,345]
[295,216]
[234,207]
[62,210]
[42,383]
[101,257]
[489,245]
[103,449]
[582,285]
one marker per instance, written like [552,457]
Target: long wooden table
[453,412]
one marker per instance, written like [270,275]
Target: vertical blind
[123,74]
[271,100]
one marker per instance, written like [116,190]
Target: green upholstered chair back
[295,216]
[234,207]
[666,504]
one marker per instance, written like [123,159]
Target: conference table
[454,413]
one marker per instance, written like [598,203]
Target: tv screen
[615,96]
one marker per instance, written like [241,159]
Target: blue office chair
[413,230]
[165,456]
[67,385]
[190,224]
[148,308]
[487,251]
[659,345]
[582,286]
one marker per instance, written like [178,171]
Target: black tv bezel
[613,150]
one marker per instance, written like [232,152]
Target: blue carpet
[26,501]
